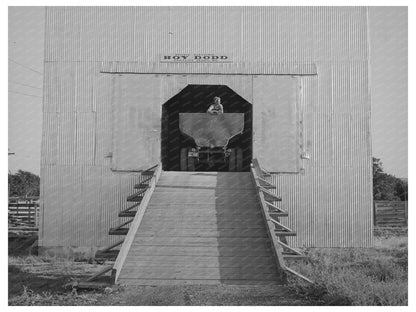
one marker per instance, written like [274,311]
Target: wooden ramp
[201,228]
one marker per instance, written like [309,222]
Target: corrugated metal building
[109,70]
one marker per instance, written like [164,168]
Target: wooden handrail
[275,207]
[264,181]
[277,198]
[123,224]
[280,224]
[112,246]
[277,244]
[135,224]
[290,248]
[255,169]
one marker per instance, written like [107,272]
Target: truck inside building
[197,99]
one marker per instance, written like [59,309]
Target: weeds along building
[117,77]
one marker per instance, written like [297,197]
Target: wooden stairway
[110,253]
[201,228]
[276,231]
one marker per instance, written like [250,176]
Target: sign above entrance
[195,58]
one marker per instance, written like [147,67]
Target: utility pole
[8,191]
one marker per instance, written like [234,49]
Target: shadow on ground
[41,282]
[201,295]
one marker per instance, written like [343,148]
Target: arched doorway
[196,99]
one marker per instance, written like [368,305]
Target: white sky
[388,47]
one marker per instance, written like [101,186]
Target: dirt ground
[206,296]
[38,281]
[41,281]
[34,282]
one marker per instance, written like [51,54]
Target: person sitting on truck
[217,107]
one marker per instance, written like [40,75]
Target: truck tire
[231,160]
[184,159]
[239,159]
[191,163]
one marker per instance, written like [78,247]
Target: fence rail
[23,212]
[390,213]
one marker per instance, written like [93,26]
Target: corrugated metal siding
[275,123]
[67,143]
[137,126]
[81,203]
[250,34]
[329,205]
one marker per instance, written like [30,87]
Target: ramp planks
[201,228]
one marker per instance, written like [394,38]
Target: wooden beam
[284,233]
[111,246]
[275,246]
[132,206]
[100,273]
[120,231]
[123,224]
[268,193]
[290,248]
[294,257]
[92,285]
[266,184]
[135,198]
[107,255]
[278,214]
[299,275]
[127,214]
[135,224]
[275,207]
[143,184]
[281,225]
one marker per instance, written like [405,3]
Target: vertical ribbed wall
[250,34]
[329,205]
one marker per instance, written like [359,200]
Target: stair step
[268,187]
[148,173]
[135,198]
[271,197]
[95,285]
[127,213]
[299,275]
[141,186]
[294,257]
[107,255]
[118,231]
[284,233]
[278,214]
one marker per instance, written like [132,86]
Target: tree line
[387,186]
[23,184]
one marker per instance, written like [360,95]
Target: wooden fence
[23,212]
[390,213]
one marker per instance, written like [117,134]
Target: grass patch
[29,297]
[37,280]
[357,276]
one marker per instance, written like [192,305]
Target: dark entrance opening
[197,99]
